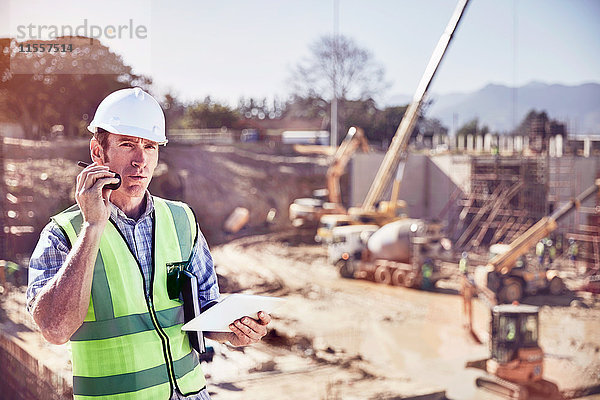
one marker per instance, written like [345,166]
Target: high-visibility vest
[539,249]
[462,265]
[130,346]
[573,249]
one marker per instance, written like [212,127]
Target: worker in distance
[98,275]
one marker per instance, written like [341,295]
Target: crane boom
[400,139]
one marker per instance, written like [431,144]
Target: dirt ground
[358,340]
[213,180]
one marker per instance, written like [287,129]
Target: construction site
[429,267]
[369,338]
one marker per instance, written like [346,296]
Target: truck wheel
[398,277]
[557,286]
[346,268]
[410,279]
[493,282]
[382,275]
[512,290]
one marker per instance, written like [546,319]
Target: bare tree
[337,62]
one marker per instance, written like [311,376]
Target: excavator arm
[354,139]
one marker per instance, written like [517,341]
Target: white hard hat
[131,112]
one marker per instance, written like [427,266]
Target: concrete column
[487,142]
[461,142]
[552,147]
[479,143]
[510,144]
[470,143]
[559,146]
[587,146]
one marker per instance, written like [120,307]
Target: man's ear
[96,151]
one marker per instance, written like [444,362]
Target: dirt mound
[214,180]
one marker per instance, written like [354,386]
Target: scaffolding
[584,226]
[508,195]
[587,234]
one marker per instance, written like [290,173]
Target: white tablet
[235,306]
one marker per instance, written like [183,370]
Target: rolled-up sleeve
[49,255]
[202,266]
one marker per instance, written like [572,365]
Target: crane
[400,140]
[392,210]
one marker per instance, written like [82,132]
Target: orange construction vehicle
[305,211]
[516,361]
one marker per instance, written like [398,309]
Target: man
[98,274]
[463,264]
[573,251]
[540,249]
[426,274]
[551,252]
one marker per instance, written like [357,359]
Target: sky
[229,49]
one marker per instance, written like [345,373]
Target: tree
[306,107]
[42,89]
[174,111]
[338,62]
[472,128]
[209,115]
[387,123]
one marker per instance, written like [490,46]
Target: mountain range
[502,108]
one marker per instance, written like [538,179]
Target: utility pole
[334,117]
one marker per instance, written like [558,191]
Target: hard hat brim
[125,131]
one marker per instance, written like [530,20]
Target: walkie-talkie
[111,186]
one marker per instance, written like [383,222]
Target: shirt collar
[117,214]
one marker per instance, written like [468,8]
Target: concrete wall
[428,182]
[22,377]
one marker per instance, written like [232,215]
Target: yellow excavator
[306,211]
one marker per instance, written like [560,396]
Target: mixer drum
[392,241]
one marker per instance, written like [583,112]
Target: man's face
[134,159]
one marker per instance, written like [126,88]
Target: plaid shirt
[52,250]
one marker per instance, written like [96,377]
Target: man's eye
[126,144]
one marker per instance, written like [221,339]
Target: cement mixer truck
[406,252]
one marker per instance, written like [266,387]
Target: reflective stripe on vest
[130,346]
